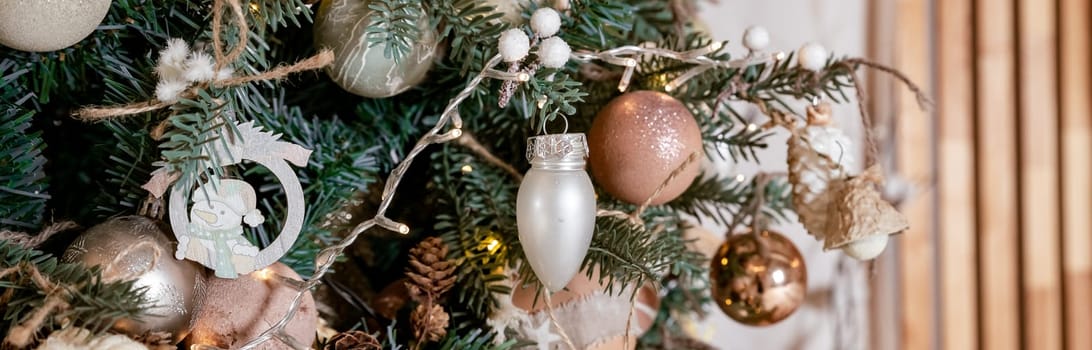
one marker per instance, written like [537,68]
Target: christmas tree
[426,167]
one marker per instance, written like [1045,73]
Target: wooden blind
[1000,256]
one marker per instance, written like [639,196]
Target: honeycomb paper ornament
[840,210]
[858,212]
[815,160]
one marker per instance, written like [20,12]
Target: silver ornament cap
[555,208]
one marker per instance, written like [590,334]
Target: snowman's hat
[238,195]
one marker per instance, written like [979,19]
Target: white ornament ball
[866,249]
[361,67]
[554,52]
[545,22]
[137,248]
[812,56]
[41,25]
[756,38]
[514,45]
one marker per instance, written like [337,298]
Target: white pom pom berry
[514,45]
[812,56]
[199,67]
[170,90]
[545,22]
[756,38]
[554,52]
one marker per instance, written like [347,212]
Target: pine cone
[353,340]
[429,323]
[430,273]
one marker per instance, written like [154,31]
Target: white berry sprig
[179,67]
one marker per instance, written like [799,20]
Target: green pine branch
[128,167]
[91,302]
[720,198]
[342,164]
[472,28]
[549,96]
[473,340]
[480,210]
[393,24]
[22,180]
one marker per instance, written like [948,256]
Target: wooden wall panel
[997,174]
[1013,86]
[956,175]
[914,126]
[1039,199]
[1075,87]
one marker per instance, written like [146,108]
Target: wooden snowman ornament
[209,224]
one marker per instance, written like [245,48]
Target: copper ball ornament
[236,311]
[758,282]
[136,247]
[637,140]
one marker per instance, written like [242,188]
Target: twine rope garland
[553,319]
[322,59]
[29,241]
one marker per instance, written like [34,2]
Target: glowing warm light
[523,77]
[724,261]
[778,276]
[727,301]
[466,169]
[492,246]
[264,274]
[752,127]
[740,178]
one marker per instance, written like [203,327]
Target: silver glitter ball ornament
[555,208]
[41,25]
[135,247]
[361,67]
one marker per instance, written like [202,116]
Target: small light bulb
[752,127]
[493,245]
[466,169]
[264,274]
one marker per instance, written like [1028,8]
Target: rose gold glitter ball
[637,140]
